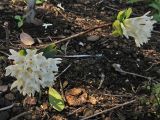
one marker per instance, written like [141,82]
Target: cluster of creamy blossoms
[139,27]
[32,71]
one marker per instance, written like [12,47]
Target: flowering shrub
[139,27]
[32,71]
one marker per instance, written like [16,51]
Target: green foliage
[56,100]
[122,15]
[132,1]
[22,52]
[155,4]
[153,100]
[156,92]
[129,1]
[50,51]
[117,28]
[39,1]
[20,20]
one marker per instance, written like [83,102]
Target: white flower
[139,27]
[32,71]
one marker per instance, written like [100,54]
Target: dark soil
[89,72]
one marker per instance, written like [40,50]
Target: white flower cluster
[139,27]
[32,71]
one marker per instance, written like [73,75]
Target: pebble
[93,38]
[88,112]
[3,88]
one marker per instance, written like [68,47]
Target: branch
[75,35]
[6,108]
[21,114]
[108,110]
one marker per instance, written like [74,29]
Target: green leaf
[18,17]
[116,24]
[56,100]
[132,1]
[124,14]
[155,6]
[120,15]
[128,13]
[20,24]
[39,1]
[115,33]
[117,27]
[22,52]
[157,17]
[20,20]
[50,51]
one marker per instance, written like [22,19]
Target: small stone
[9,96]
[3,88]
[88,112]
[93,38]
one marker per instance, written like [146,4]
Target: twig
[153,64]
[66,46]
[108,110]
[101,81]
[71,113]
[21,114]
[117,68]
[64,70]
[82,33]
[4,53]
[61,89]
[76,35]
[79,56]
[6,108]
[57,9]
[135,74]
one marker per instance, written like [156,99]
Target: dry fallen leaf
[44,106]
[76,96]
[26,39]
[92,100]
[30,101]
